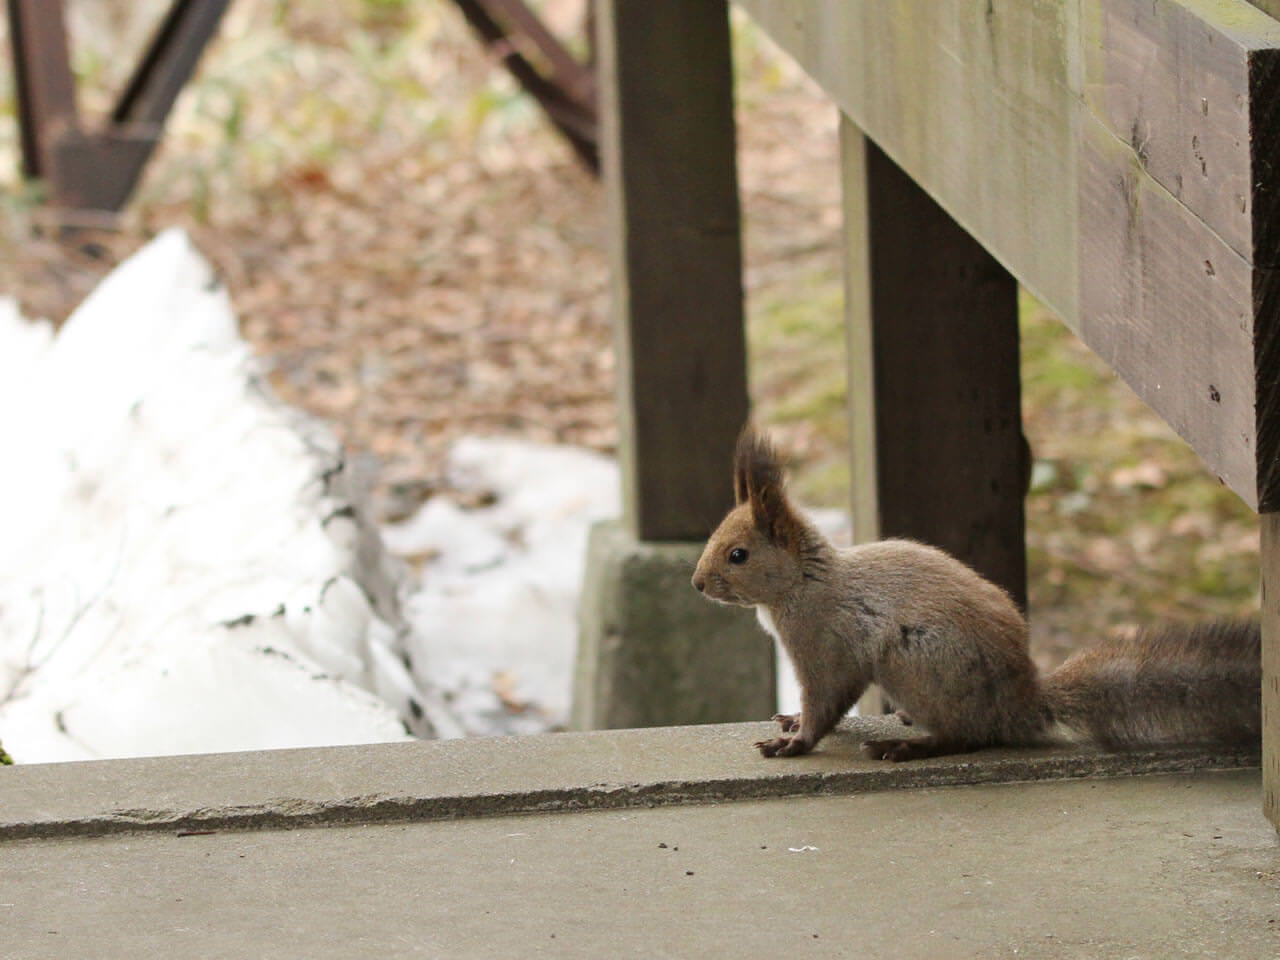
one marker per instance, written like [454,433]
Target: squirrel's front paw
[790,722]
[782,747]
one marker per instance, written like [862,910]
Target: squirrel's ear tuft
[755,466]
[757,479]
[745,459]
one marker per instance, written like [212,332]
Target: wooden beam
[859,333]
[1178,222]
[564,89]
[1116,156]
[95,167]
[1179,90]
[1169,306]
[670,177]
[98,171]
[168,62]
[934,379]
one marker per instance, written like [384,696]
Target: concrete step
[670,842]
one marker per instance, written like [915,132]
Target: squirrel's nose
[699,584]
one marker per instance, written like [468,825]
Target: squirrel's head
[754,556]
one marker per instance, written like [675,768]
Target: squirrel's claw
[783,747]
[769,748]
[790,722]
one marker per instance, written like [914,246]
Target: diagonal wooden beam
[169,61]
[564,88]
[575,78]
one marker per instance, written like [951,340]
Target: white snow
[494,615]
[180,569]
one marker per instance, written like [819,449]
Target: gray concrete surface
[1145,867]
[671,842]
[433,780]
[652,652]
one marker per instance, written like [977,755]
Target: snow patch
[494,612]
[185,565]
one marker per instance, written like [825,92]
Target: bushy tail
[1192,684]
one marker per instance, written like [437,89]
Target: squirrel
[951,648]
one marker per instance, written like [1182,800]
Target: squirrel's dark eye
[737,555]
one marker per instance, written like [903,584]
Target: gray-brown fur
[1172,685]
[949,647]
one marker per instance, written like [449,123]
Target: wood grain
[1145,258]
[1174,81]
[973,98]
[1178,220]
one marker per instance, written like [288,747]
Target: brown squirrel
[950,648]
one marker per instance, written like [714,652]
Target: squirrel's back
[1175,684]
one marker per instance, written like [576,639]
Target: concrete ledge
[438,780]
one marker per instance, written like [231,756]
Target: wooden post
[650,649]
[1271,667]
[667,139]
[934,386]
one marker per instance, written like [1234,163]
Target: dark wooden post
[934,385]
[651,650]
[666,101]
[1271,667]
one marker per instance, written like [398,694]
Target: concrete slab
[466,778]
[1147,867]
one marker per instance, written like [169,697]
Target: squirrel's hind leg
[915,748]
